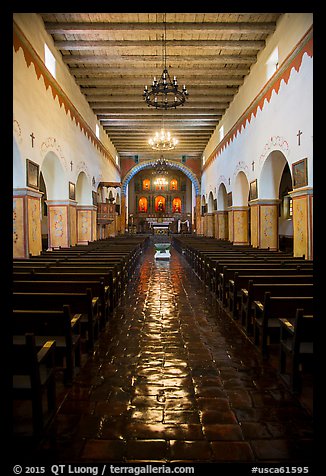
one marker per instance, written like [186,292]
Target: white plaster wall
[290,28]
[275,127]
[36,111]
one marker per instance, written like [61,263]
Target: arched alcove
[222,198]
[54,177]
[83,190]
[271,174]
[210,203]
[240,191]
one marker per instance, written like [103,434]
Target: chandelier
[164,93]
[160,167]
[161,181]
[163,140]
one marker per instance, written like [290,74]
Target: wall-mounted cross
[253,165]
[298,136]
[32,137]
[71,164]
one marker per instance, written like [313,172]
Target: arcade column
[27,234]
[86,224]
[198,224]
[222,225]
[238,225]
[123,219]
[62,223]
[264,223]
[302,206]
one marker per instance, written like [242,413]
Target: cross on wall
[32,137]
[299,136]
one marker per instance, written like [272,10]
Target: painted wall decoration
[34,226]
[73,225]
[240,226]
[269,230]
[18,228]
[254,226]
[58,225]
[300,226]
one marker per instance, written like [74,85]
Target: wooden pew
[267,316]
[33,374]
[52,274]
[80,303]
[227,274]
[256,292]
[57,325]
[37,283]
[296,349]
[239,284]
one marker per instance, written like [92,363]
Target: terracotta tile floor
[172,379]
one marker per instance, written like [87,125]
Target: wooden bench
[256,292]
[267,316]
[106,274]
[239,283]
[80,303]
[296,349]
[56,325]
[229,269]
[37,283]
[33,373]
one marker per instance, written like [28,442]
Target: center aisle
[172,380]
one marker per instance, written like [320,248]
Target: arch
[53,173]
[83,190]
[210,202]
[240,190]
[222,198]
[149,163]
[18,168]
[271,175]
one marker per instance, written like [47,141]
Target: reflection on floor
[173,379]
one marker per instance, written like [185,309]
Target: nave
[173,379]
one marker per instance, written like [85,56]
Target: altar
[160,228]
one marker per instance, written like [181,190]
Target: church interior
[163,259]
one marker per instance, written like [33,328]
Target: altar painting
[176,205]
[160,204]
[142,204]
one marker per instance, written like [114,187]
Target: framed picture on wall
[94,197]
[229,199]
[32,174]
[299,172]
[72,191]
[253,193]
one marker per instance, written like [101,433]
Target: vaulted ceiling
[112,56]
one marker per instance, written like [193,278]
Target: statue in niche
[160,206]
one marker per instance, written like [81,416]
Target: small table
[162,251]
